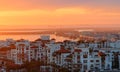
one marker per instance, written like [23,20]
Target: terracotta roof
[22,44]
[38,39]
[5,49]
[3,52]
[63,50]
[66,40]
[43,45]
[7,60]
[45,41]
[34,47]
[59,42]
[12,46]
[78,50]
[101,54]
[33,42]
[20,40]
[53,39]
[21,55]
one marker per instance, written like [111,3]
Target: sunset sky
[65,13]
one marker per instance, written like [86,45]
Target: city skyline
[59,35]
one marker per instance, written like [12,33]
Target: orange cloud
[63,16]
[23,12]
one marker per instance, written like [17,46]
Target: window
[97,64]
[85,56]
[48,51]
[75,66]
[85,61]
[91,60]
[53,59]
[78,57]
[78,52]
[85,67]
[96,55]
[78,61]
[85,52]
[97,60]
[27,48]
[92,65]
[38,54]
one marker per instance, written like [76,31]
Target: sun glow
[39,13]
[64,11]
[23,13]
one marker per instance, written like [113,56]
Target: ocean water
[22,34]
[31,37]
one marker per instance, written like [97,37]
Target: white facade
[45,37]
[67,53]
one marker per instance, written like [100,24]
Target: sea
[5,34]
[31,37]
[31,34]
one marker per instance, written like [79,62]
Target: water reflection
[31,37]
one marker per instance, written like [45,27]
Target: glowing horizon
[59,12]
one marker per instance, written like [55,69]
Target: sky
[59,13]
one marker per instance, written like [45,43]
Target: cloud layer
[59,12]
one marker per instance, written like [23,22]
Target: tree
[33,66]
